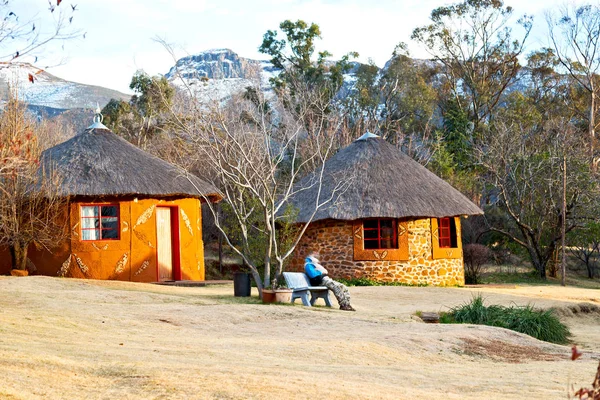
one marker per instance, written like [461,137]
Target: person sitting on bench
[317,275]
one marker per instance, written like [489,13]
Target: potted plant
[279,294]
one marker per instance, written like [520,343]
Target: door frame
[175,243]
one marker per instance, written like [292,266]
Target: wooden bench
[300,285]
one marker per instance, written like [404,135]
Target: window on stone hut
[380,233]
[447,232]
[100,222]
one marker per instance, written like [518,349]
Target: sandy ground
[73,339]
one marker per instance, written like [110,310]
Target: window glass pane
[110,223]
[89,211]
[109,211]
[371,234]
[89,223]
[370,223]
[386,223]
[444,242]
[89,218]
[453,237]
[110,234]
[388,243]
[371,244]
[92,234]
[387,232]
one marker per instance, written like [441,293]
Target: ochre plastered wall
[133,256]
[334,240]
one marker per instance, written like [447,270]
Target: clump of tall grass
[541,324]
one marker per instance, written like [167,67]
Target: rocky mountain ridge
[37,87]
[217,74]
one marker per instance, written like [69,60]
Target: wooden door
[164,244]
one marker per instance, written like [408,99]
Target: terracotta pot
[277,296]
[283,295]
[19,272]
[268,296]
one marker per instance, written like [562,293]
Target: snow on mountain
[47,90]
[216,75]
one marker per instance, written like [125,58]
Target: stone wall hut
[395,222]
[132,216]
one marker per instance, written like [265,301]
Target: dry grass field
[74,339]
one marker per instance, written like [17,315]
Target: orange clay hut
[395,221]
[132,216]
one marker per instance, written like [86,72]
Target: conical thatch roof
[381,182]
[99,163]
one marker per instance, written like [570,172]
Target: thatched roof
[99,163]
[381,182]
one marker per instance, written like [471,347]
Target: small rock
[430,317]
[19,272]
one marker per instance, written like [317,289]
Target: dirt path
[72,339]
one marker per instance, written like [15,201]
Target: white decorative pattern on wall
[120,267]
[187,222]
[65,267]
[145,216]
[380,255]
[144,265]
[84,268]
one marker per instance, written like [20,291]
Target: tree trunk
[258,280]
[564,218]
[538,262]
[592,127]
[18,252]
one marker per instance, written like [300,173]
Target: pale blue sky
[119,33]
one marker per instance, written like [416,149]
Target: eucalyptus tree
[146,114]
[474,42]
[575,37]
[301,71]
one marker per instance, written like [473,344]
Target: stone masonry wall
[334,241]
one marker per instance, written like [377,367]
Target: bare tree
[575,37]
[24,33]
[585,246]
[523,165]
[258,151]
[31,209]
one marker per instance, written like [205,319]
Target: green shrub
[541,324]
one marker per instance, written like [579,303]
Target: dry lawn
[74,339]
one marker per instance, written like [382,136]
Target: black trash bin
[241,284]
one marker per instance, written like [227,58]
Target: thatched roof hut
[130,215]
[99,163]
[390,219]
[381,182]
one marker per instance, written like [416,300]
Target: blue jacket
[309,268]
